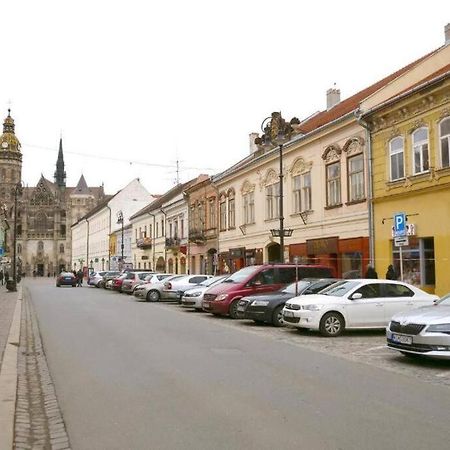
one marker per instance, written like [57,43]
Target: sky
[133,87]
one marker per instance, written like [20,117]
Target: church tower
[60,174]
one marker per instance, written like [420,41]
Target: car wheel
[233,309]
[153,296]
[74,285]
[58,285]
[332,324]
[277,316]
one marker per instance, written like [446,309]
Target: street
[136,375]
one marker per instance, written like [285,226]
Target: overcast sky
[136,84]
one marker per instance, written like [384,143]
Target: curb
[8,378]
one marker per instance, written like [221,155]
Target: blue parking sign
[1,251]
[400,224]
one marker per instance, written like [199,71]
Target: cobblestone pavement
[363,346]
[7,306]
[38,422]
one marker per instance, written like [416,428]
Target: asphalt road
[131,375]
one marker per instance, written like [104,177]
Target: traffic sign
[401,241]
[1,251]
[400,224]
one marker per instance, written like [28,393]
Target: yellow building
[410,146]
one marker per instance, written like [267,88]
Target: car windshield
[242,275]
[301,285]
[143,275]
[66,274]
[445,300]
[211,281]
[340,288]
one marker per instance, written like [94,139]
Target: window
[61,248]
[356,178]
[273,201]
[396,290]
[334,184]
[19,249]
[223,213]
[396,158]
[212,213]
[181,228]
[302,192]
[63,230]
[444,133]
[40,222]
[249,208]
[231,213]
[162,227]
[420,150]
[369,291]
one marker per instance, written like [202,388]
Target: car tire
[233,309]
[258,321]
[153,296]
[58,285]
[332,324]
[74,285]
[277,316]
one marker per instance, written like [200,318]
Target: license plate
[402,339]
[241,308]
[288,314]
[68,278]
[205,305]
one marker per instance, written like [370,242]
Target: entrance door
[40,270]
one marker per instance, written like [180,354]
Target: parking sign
[400,224]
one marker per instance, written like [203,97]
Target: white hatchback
[354,304]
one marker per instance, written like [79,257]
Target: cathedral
[44,213]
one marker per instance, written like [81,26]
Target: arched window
[61,248]
[40,222]
[420,151]
[19,249]
[444,134]
[396,159]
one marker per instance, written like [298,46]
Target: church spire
[60,174]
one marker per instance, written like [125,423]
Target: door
[397,298]
[263,281]
[367,311]
[40,270]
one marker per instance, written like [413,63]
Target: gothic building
[44,213]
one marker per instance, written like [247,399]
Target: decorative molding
[353,146]
[444,114]
[300,167]
[247,187]
[332,153]
[419,123]
[271,178]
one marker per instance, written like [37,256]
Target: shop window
[334,184]
[420,151]
[396,159]
[351,265]
[356,178]
[444,133]
[418,261]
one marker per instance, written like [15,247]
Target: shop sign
[250,253]
[322,246]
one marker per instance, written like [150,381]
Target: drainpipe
[109,238]
[87,244]
[164,239]
[153,239]
[366,126]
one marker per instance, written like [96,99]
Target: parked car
[66,279]
[174,289]
[424,331]
[223,298]
[268,308]
[117,282]
[157,277]
[108,276]
[366,303]
[193,298]
[109,284]
[132,280]
[95,278]
[152,292]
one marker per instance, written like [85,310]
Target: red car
[66,279]
[223,298]
[117,282]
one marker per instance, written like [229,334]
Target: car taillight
[169,285]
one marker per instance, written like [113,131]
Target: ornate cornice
[332,153]
[300,166]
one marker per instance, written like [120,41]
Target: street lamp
[16,192]
[276,132]
[120,220]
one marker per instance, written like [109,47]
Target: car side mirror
[356,296]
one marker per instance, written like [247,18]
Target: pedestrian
[370,272]
[1,277]
[80,278]
[6,277]
[391,274]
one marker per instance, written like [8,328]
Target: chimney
[447,34]
[333,97]
[253,146]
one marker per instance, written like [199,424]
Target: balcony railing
[173,243]
[197,236]
[145,242]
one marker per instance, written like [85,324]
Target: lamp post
[16,192]
[120,220]
[276,132]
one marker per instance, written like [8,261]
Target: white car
[174,288]
[354,304]
[193,298]
[157,277]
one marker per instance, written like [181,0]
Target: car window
[340,288]
[318,286]
[197,279]
[287,275]
[369,290]
[396,290]
[314,272]
[162,276]
[212,280]
[241,275]
[301,285]
[130,276]
[265,277]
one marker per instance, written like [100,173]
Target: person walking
[1,277]
[370,272]
[80,278]
[391,274]
[6,277]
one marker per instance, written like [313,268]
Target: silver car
[424,331]
[193,298]
[153,292]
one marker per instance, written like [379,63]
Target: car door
[397,298]
[365,307]
[263,281]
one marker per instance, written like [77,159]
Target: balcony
[197,236]
[173,244]
[145,242]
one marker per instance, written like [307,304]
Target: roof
[95,210]
[81,188]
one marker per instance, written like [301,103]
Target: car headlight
[194,294]
[441,328]
[260,303]
[312,307]
[221,297]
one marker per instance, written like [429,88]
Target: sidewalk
[7,305]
